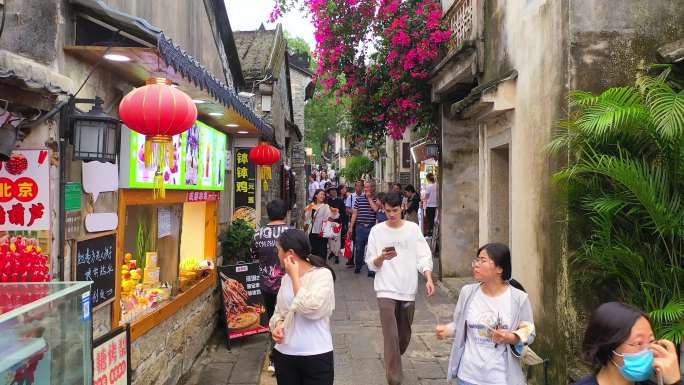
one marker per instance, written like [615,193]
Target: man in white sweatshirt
[396,249]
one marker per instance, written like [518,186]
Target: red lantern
[159,112]
[264,155]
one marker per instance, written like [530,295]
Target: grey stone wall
[460,197]
[298,82]
[166,352]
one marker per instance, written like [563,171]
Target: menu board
[25,191]
[96,261]
[243,302]
[199,160]
[245,187]
[112,357]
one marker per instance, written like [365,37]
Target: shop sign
[199,160]
[244,187]
[96,262]
[243,302]
[72,197]
[72,224]
[203,196]
[25,191]
[111,358]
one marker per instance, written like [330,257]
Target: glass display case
[45,333]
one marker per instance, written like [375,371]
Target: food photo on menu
[243,313]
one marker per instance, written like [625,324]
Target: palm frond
[672,312]
[666,109]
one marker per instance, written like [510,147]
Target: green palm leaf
[673,311]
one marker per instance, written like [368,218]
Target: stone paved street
[358,337]
[241,365]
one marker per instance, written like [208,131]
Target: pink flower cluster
[388,87]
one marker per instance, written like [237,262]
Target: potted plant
[236,241]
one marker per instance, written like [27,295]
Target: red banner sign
[111,357]
[203,196]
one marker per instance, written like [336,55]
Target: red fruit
[17,164]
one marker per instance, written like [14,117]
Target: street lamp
[308,151]
[95,135]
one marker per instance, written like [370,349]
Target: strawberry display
[17,164]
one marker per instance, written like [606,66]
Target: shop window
[164,255]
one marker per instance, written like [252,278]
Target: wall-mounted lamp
[94,134]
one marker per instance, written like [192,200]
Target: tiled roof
[255,49]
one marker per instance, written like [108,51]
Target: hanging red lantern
[264,155]
[158,111]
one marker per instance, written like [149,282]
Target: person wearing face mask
[492,324]
[619,343]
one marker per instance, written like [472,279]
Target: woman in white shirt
[314,215]
[492,324]
[300,325]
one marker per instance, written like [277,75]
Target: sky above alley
[248,15]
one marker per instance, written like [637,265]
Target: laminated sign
[112,357]
[243,302]
[25,191]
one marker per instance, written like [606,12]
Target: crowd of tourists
[492,327]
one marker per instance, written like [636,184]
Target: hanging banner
[112,357]
[245,187]
[25,191]
[243,302]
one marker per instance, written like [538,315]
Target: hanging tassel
[149,153]
[159,189]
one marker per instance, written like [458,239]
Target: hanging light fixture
[94,134]
[158,111]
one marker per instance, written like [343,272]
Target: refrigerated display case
[45,333]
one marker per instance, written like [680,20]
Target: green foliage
[236,241]
[625,186]
[356,167]
[323,117]
[296,44]
[144,240]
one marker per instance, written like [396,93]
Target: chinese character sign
[110,358]
[245,187]
[25,191]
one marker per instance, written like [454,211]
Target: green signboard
[200,161]
[72,196]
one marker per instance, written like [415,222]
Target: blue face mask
[637,366]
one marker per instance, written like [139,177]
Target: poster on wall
[25,191]
[199,160]
[111,358]
[244,187]
[243,303]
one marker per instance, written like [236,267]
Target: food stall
[166,245]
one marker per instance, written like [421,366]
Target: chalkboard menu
[96,261]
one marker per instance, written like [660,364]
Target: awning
[152,54]
[30,75]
